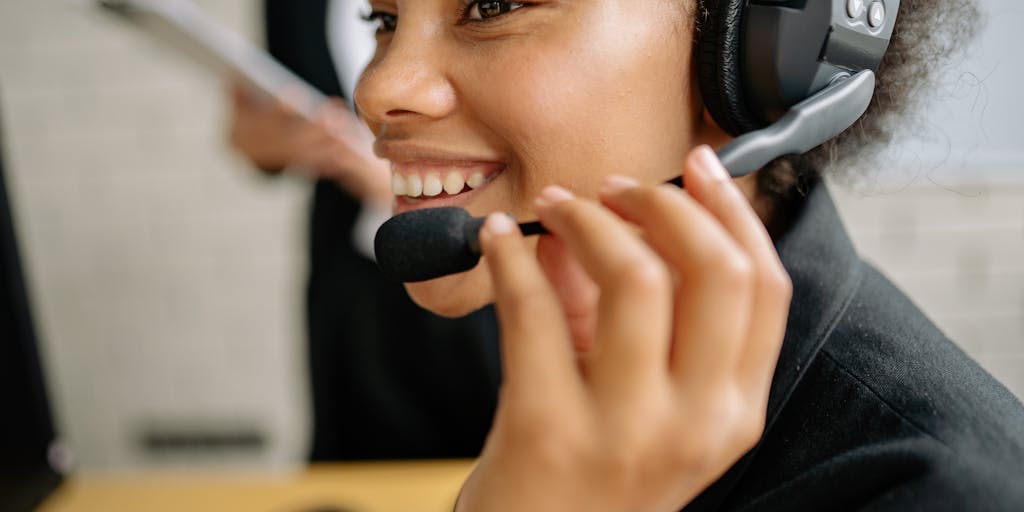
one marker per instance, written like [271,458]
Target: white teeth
[413,186]
[432,184]
[397,184]
[475,180]
[453,183]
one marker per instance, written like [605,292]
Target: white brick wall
[167,278]
[959,253]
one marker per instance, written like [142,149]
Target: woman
[640,370]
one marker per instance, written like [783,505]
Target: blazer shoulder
[887,344]
[952,483]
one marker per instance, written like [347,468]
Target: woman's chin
[455,295]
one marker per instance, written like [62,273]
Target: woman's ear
[705,129]
[708,132]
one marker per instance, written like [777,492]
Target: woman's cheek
[456,295]
[553,127]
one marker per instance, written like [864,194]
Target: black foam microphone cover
[419,245]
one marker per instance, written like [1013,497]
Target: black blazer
[872,408]
[388,379]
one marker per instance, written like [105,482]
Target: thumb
[576,292]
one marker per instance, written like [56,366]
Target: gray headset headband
[791,49]
[807,72]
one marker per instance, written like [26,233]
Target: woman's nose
[408,81]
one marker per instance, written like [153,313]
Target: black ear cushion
[719,26]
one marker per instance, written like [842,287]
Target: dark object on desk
[170,438]
[26,428]
[328,508]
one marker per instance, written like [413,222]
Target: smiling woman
[651,372]
[523,90]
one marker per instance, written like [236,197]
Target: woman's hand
[680,341]
[337,146]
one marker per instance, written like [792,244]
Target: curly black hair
[927,32]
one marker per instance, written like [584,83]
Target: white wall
[973,122]
[166,276]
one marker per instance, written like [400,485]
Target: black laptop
[26,427]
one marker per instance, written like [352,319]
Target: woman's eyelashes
[385,21]
[482,10]
[472,11]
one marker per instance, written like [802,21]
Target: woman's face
[482,106]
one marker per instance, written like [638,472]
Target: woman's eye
[487,9]
[385,22]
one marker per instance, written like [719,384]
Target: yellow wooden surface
[429,486]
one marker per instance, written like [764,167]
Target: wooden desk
[357,487]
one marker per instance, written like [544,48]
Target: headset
[785,76]
[782,76]
[757,58]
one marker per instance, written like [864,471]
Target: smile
[427,184]
[426,176]
[450,182]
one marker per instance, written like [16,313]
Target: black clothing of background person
[389,379]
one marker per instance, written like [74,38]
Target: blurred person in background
[389,380]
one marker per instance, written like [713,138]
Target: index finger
[634,304]
[537,355]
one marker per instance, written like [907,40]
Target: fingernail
[553,195]
[499,224]
[708,161]
[617,183]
